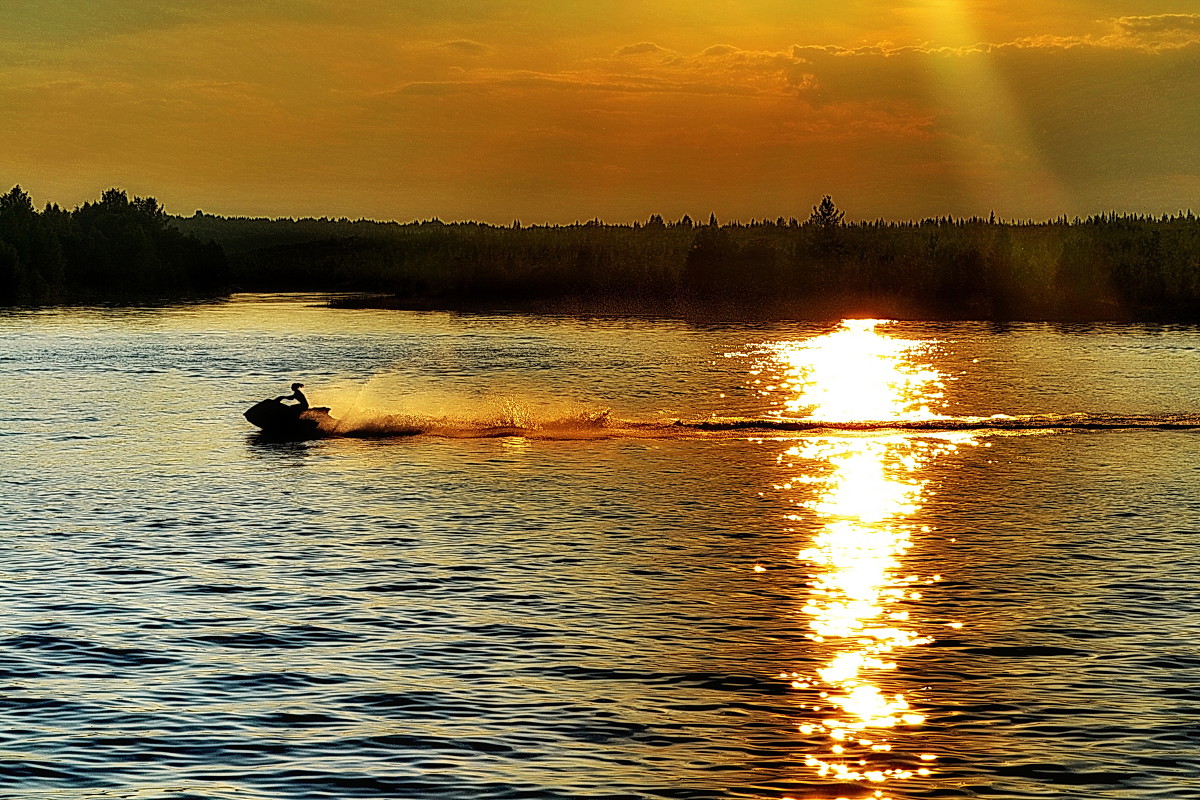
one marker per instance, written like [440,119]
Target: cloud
[522,81]
[1149,34]
[1156,32]
[435,88]
[641,49]
[467,47]
[715,69]
[765,70]
[722,69]
[1160,23]
[718,50]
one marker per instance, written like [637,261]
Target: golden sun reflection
[860,595]
[858,495]
[855,374]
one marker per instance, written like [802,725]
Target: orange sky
[553,111]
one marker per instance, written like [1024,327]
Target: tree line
[113,249]
[1111,266]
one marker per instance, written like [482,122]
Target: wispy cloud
[641,49]
[467,47]
[646,67]
[1156,32]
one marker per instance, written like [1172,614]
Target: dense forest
[116,248]
[1103,267]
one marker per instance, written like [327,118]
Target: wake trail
[1004,422]
[603,426]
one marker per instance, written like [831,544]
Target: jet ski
[288,423]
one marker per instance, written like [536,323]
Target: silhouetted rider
[297,395]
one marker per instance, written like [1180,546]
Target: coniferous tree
[825,214]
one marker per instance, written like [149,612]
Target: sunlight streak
[988,129]
[854,374]
[859,495]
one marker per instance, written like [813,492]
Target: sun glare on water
[860,597]
[855,374]
[856,499]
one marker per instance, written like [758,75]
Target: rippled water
[594,611]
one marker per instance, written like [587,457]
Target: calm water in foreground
[624,610]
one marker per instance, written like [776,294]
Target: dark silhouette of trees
[1106,267]
[31,258]
[1109,266]
[818,254]
[825,214]
[111,249]
[711,264]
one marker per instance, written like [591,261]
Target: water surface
[586,611]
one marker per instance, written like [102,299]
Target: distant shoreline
[1107,268]
[711,312]
[1110,268]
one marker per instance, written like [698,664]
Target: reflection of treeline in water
[116,248]
[1105,267]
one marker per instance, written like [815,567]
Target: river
[605,566]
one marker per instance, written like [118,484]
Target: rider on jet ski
[297,395]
